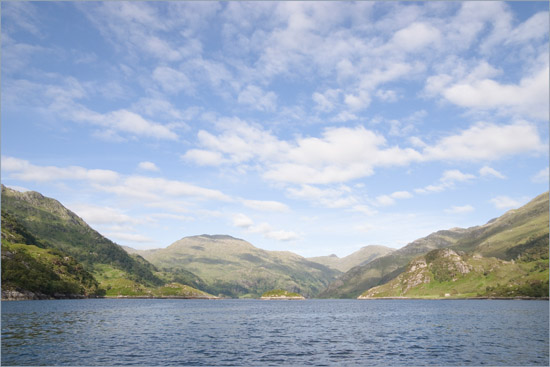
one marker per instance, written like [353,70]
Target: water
[253,332]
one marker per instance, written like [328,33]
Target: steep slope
[31,270]
[360,257]
[503,237]
[57,227]
[446,273]
[233,267]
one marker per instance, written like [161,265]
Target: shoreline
[457,298]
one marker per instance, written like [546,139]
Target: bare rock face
[417,274]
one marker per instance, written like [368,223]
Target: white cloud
[326,101]
[528,98]
[446,181]
[541,176]
[384,200]
[129,237]
[401,195]
[258,99]
[171,80]
[460,209]
[387,200]
[416,36]
[23,170]
[487,171]
[148,166]
[340,155]
[486,141]
[97,215]
[340,197]
[266,205]
[242,221]
[451,176]
[203,157]
[505,202]
[154,188]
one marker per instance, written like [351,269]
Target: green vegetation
[439,275]
[280,293]
[54,226]
[518,233]
[360,257]
[32,267]
[47,249]
[230,267]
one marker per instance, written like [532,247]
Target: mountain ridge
[234,267]
[495,237]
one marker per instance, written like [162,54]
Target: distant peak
[333,255]
[218,237]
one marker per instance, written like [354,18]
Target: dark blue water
[252,332]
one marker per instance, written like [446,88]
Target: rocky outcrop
[13,295]
[23,295]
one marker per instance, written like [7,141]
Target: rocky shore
[14,295]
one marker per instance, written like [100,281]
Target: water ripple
[272,333]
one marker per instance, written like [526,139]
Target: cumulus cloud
[242,221]
[98,215]
[460,209]
[257,98]
[171,80]
[416,36]
[487,171]
[487,141]
[148,166]
[24,170]
[335,197]
[387,200]
[506,202]
[342,154]
[266,205]
[446,181]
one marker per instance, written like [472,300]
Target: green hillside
[28,265]
[446,273]
[232,267]
[506,237]
[59,228]
[360,257]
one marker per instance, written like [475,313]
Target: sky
[311,127]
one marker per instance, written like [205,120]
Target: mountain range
[232,267]
[360,257]
[516,232]
[49,251]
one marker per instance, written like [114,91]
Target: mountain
[515,232]
[233,267]
[32,270]
[56,227]
[360,257]
[447,273]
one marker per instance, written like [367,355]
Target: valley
[49,252]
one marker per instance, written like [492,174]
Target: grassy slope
[360,257]
[503,238]
[233,267]
[48,249]
[28,265]
[57,227]
[487,277]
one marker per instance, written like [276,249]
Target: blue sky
[313,127]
